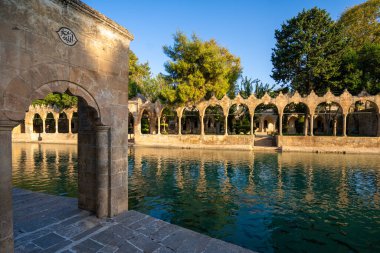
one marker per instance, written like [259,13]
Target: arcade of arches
[48,124]
[284,115]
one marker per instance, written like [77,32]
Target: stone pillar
[280,131]
[344,124]
[6,209]
[226,125]
[43,125]
[202,125]
[159,125]
[252,115]
[102,171]
[306,124]
[179,125]
[69,118]
[311,124]
[334,127]
[56,124]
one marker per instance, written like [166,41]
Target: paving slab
[60,226]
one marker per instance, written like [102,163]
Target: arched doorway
[294,119]
[214,120]
[328,119]
[169,121]
[238,121]
[37,124]
[266,119]
[50,123]
[63,123]
[74,123]
[145,123]
[191,121]
[362,119]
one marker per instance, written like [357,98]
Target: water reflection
[48,168]
[262,201]
[289,202]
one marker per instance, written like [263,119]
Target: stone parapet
[329,144]
[236,142]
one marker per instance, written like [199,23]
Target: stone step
[267,141]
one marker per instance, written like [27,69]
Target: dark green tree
[61,101]
[197,69]
[308,52]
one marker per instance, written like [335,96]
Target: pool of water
[267,202]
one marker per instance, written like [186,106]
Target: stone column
[159,125]
[43,125]
[56,124]
[311,124]
[344,124]
[69,118]
[280,131]
[226,125]
[202,125]
[306,124]
[252,115]
[179,125]
[102,171]
[334,127]
[6,209]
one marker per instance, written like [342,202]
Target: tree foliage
[308,51]
[198,69]
[250,86]
[61,101]
[139,73]
[360,24]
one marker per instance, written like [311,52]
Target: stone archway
[38,61]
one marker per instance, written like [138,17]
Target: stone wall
[242,142]
[340,144]
[45,138]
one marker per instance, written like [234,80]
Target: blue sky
[245,27]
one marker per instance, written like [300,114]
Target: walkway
[45,223]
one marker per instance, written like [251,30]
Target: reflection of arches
[214,120]
[330,114]
[191,121]
[37,124]
[239,120]
[362,119]
[294,120]
[169,121]
[63,123]
[145,123]
[50,123]
[266,118]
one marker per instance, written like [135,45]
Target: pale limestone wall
[329,144]
[243,142]
[59,138]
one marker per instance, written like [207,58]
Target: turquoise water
[263,201]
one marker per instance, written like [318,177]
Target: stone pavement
[46,223]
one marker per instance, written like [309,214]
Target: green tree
[61,101]
[248,86]
[360,24]
[369,64]
[308,52]
[198,69]
[139,73]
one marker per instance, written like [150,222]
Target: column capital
[7,125]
